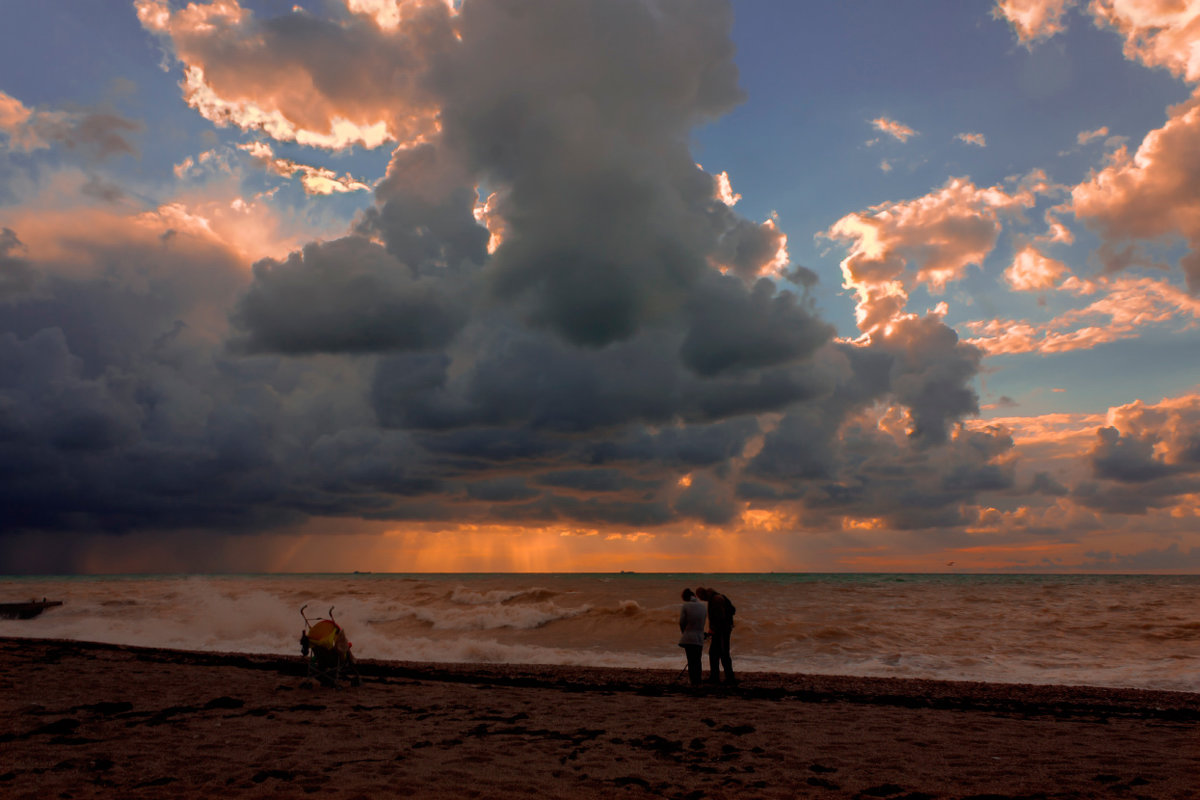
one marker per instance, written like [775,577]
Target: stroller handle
[308,623]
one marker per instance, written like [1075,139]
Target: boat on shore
[27,610]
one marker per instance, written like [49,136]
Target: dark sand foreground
[84,720]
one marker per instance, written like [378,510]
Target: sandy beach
[89,720]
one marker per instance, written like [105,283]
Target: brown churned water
[1137,631]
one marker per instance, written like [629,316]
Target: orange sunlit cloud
[1033,271]
[232,74]
[1149,195]
[1087,136]
[315,180]
[1125,307]
[897,130]
[1034,19]
[930,240]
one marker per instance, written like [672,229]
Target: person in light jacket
[692,615]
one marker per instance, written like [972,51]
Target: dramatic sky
[551,285]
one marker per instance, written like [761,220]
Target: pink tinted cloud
[1087,136]
[1033,19]
[1032,271]
[96,133]
[977,139]
[1099,472]
[1171,427]
[315,180]
[320,83]
[167,252]
[16,124]
[1060,433]
[1159,33]
[390,14]
[1152,195]
[897,130]
[1125,308]
[1146,460]
[724,190]
[1056,231]
[487,214]
[930,240]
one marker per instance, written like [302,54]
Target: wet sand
[86,720]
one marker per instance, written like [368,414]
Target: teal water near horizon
[1138,631]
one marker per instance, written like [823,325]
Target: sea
[1139,631]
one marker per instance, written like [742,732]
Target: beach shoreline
[97,720]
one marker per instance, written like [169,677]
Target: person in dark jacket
[691,627]
[720,623]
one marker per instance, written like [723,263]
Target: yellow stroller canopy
[326,649]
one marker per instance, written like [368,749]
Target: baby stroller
[327,650]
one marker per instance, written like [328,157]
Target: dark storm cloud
[425,212]
[861,470]
[923,365]
[803,446]
[734,330]
[109,426]
[501,490]
[346,296]
[120,409]
[1170,558]
[593,480]
[1045,483]
[518,376]
[98,134]
[617,360]
[801,276]
[1130,499]
[707,499]
[1147,460]
[365,460]
[50,404]
[1127,459]
[100,189]
[931,375]
[609,221]
[16,273]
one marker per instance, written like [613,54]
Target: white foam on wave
[491,617]
[191,614]
[463,595]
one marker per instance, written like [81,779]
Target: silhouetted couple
[711,605]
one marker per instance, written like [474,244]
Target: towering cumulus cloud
[602,341]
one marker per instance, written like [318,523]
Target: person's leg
[714,658]
[695,671]
[718,654]
[727,657]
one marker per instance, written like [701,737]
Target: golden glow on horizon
[1035,547]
